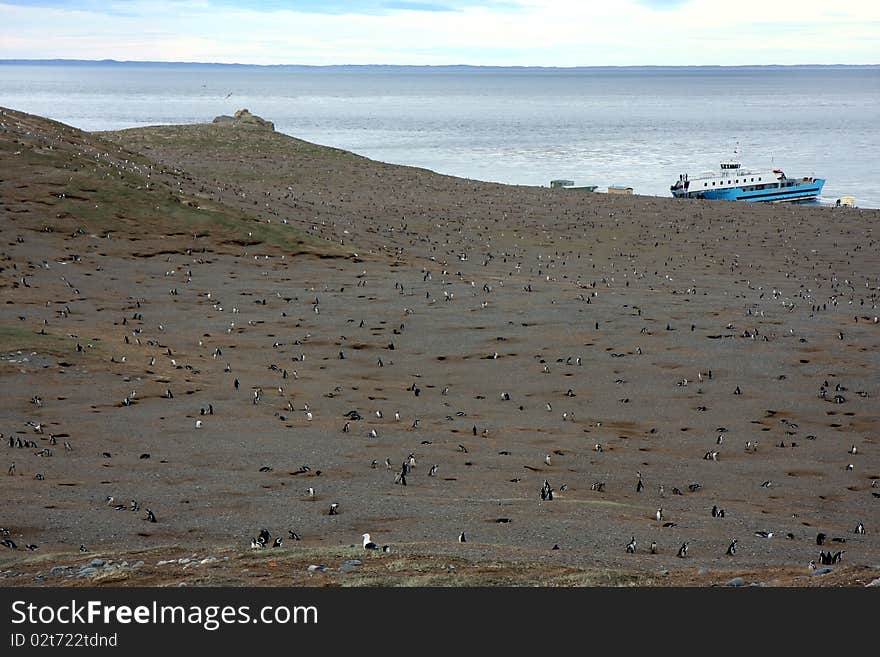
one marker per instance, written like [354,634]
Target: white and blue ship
[734,183]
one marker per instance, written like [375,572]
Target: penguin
[277,542]
[151,517]
[860,529]
[653,547]
[462,538]
[659,514]
[631,546]
[682,551]
[264,537]
[334,509]
[292,535]
[820,538]
[731,549]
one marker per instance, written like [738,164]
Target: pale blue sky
[504,32]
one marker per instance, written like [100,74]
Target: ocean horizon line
[134,62]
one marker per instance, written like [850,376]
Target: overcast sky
[504,33]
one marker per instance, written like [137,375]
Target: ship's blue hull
[801,191]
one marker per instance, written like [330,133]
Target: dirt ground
[189,313]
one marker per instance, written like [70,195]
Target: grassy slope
[56,178]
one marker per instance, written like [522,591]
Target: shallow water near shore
[639,127]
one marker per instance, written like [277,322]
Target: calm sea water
[636,126]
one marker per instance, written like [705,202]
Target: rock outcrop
[243,118]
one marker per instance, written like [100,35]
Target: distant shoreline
[459,67]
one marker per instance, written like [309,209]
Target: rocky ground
[236,330]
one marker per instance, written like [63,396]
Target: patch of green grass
[18,338]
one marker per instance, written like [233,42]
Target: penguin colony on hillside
[483,343]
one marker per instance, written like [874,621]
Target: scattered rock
[822,571]
[97,563]
[736,581]
[875,582]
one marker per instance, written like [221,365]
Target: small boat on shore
[734,183]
